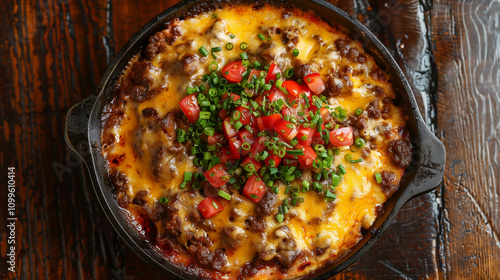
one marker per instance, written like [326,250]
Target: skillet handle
[76,127]
[431,159]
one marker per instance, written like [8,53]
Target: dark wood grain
[468,63]
[53,53]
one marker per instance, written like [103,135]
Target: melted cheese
[358,193]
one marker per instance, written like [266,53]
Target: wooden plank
[468,58]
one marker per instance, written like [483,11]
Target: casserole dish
[104,191]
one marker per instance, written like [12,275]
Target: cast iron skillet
[83,130]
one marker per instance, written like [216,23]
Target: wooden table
[53,53]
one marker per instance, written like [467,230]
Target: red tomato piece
[290,162]
[268,122]
[246,136]
[325,115]
[232,71]
[235,147]
[228,128]
[309,156]
[217,176]
[216,138]
[189,105]
[292,88]
[210,207]
[342,136]
[246,116]
[286,129]
[248,160]
[276,94]
[254,188]
[224,154]
[271,74]
[275,158]
[307,132]
[258,146]
[315,83]
[222,113]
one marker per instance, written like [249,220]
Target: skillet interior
[409,186]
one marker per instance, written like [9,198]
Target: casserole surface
[147,163]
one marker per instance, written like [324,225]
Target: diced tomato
[258,146]
[315,83]
[246,116]
[307,132]
[189,105]
[292,88]
[271,74]
[248,160]
[224,154]
[233,96]
[305,90]
[275,158]
[216,138]
[235,147]
[317,139]
[268,122]
[246,137]
[290,162]
[342,136]
[207,208]
[232,71]
[217,176]
[255,73]
[228,128]
[222,113]
[276,94]
[254,188]
[309,156]
[286,129]
[325,115]
[294,111]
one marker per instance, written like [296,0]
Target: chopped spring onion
[215,205]
[224,195]
[289,72]
[216,49]
[341,169]
[203,51]
[163,200]
[261,36]
[378,177]
[229,46]
[188,176]
[213,66]
[359,142]
[305,186]
[358,112]
[280,217]
[244,55]
[295,52]
[243,46]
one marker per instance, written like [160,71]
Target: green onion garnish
[203,51]
[188,176]
[244,55]
[378,177]
[163,200]
[224,195]
[358,112]
[280,217]
[243,46]
[359,142]
[295,152]
[216,49]
[261,36]
[341,168]
[295,52]
[213,66]
[229,46]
